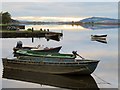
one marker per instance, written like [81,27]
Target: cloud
[61,9]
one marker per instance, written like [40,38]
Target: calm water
[74,38]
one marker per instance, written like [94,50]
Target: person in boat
[19,44]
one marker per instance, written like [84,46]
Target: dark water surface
[74,38]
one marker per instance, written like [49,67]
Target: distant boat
[99,39]
[52,65]
[100,36]
[55,37]
[73,82]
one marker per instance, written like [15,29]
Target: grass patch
[4,24]
[25,31]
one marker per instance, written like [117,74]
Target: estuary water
[75,38]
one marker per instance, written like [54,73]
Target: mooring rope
[105,82]
[95,74]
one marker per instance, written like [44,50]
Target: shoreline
[25,34]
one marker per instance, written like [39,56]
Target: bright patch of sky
[47,19]
[61,11]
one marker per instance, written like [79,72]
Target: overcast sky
[60,0]
[61,9]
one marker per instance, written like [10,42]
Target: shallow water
[74,38]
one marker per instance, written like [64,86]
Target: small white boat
[100,36]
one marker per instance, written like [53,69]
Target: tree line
[5,18]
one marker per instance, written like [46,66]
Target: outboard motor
[19,44]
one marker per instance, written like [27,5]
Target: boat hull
[99,36]
[80,68]
[52,50]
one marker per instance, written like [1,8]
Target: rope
[105,82]
[95,74]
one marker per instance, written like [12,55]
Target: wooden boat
[100,36]
[73,82]
[46,49]
[53,37]
[51,65]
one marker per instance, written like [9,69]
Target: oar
[75,53]
[80,56]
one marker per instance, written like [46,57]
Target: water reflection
[55,38]
[98,26]
[76,39]
[99,39]
[56,27]
[61,81]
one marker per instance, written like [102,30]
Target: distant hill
[14,21]
[91,20]
[99,20]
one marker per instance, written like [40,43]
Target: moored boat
[46,49]
[52,65]
[99,35]
[101,40]
[39,48]
[53,37]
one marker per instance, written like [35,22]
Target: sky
[60,0]
[74,10]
